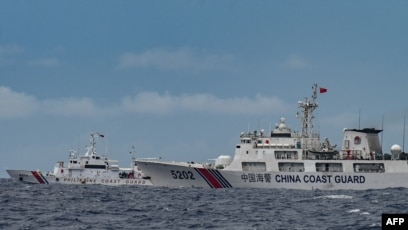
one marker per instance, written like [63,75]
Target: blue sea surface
[25,206]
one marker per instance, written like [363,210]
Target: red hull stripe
[38,177]
[209,178]
[209,184]
[213,178]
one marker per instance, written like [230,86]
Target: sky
[182,79]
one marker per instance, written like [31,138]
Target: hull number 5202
[182,175]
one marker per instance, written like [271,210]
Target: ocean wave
[104,207]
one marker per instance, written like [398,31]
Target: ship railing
[149,159]
[299,135]
[75,166]
[321,157]
[275,146]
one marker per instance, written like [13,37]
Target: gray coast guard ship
[291,160]
[90,168]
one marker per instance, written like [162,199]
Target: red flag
[323,90]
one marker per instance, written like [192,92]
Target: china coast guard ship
[291,160]
[90,168]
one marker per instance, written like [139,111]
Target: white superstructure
[292,160]
[89,168]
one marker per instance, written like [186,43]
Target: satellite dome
[396,149]
[223,160]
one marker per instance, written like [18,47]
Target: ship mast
[93,143]
[307,107]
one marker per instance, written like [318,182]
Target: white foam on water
[354,210]
[335,197]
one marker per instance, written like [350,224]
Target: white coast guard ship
[291,160]
[89,168]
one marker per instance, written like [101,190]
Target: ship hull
[172,175]
[37,177]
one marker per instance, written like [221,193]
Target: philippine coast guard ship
[291,160]
[89,168]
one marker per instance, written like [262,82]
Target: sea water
[39,206]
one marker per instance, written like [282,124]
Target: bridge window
[369,167]
[291,167]
[329,167]
[254,166]
[286,154]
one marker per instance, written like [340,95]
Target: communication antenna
[403,137]
[306,116]
[78,146]
[359,116]
[382,134]
[132,156]
[259,123]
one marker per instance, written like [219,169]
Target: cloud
[46,62]
[152,102]
[81,107]
[237,105]
[296,62]
[15,104]
[149,102]
[180,59]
